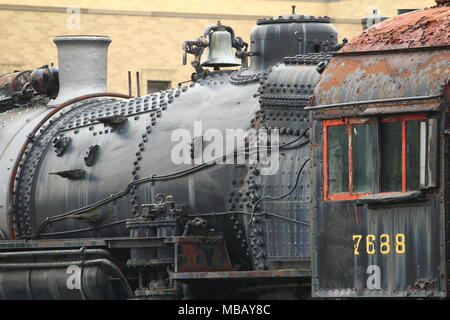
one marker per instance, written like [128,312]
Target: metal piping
[43,265]
[41,253]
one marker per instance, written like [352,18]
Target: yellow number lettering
[400,243]
[370,246]
[385,243]
[385,247]
[358,238]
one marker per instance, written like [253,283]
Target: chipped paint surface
[384,75]
[202,255]
[427,27]
[398,66]
[12,82]
[7,79]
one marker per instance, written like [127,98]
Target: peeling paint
[427,27]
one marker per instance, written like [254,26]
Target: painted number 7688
[384,246]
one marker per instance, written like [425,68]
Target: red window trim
[349,122]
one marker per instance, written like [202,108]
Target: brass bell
[220,51]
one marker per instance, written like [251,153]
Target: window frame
[349,122]
[166,83]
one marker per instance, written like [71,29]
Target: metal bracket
[74,174]
[92,217]
[60,144]
[112,121]
[90,155]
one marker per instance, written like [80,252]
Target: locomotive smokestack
[82,66]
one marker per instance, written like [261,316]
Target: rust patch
[378,109]
[338,72]
[405,74]
[422,28]
[379,67]
[7,79]
[372,76]
[12,82]
[202,255]
[424,284]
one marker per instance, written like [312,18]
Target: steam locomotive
[337,189]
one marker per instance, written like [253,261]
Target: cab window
[373,155]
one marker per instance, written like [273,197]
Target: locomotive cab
[380,167]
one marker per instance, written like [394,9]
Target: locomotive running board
[228,275]
[112,243]
[66,243]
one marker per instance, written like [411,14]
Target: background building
[147,35]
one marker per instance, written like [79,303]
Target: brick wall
[147,34]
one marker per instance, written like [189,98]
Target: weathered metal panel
[13,82]
[46,244]
[420,271]
[285,243]
[201,255]
[386,75]
[341,272]
[15,125]
[227,275]
[444,178]
[380,109]
[285,90]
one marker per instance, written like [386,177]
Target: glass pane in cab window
[362,143]
[391,156]
[338,159]
[412,155]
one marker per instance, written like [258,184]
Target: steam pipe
[43,265]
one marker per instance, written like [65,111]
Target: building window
[156,86]
[402,11]
[405,147]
